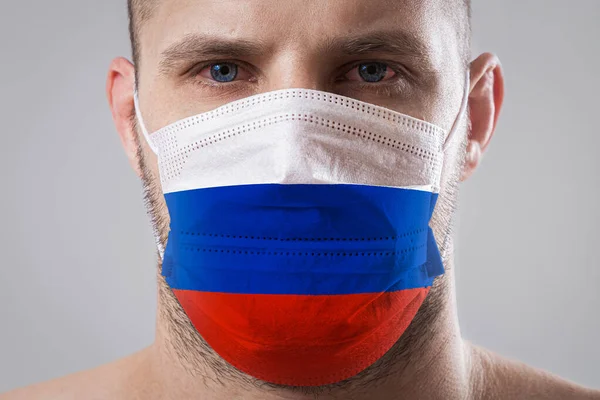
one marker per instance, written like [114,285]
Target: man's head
[265,45]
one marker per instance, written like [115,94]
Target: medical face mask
[299,242]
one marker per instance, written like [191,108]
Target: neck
[434,362]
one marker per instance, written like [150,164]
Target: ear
[119,90]
[485,102]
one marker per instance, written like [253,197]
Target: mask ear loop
[140,120]
[138,114]
[461,112]
[450,137]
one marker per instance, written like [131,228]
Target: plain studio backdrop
[77,283]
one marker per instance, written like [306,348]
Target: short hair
[141,10]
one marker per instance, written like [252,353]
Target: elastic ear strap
[140,120]
[138,114]
[461,113]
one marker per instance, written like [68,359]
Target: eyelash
[399,70]
[396,68]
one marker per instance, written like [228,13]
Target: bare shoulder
[113,381]
[496,377]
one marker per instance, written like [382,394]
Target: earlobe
[485,102]
[119,91]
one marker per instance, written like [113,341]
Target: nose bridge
[297,67]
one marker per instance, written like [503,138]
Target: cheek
[446,205]
[453,163]
[438,108]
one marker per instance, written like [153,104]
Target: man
[302,259]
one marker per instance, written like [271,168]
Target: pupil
[373,72]
[224,70]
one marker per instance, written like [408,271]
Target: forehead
[302,24]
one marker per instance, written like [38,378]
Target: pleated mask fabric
[299,242]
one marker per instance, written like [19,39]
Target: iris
[224,72]
[373,71]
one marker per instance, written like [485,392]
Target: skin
[431,360]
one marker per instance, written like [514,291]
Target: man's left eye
[371,72]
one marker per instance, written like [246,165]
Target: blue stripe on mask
[301,239]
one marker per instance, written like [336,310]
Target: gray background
[77,282]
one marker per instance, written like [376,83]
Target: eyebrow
[194,47]
[398,43]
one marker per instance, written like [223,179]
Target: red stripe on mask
[301,340]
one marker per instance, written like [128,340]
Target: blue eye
[224,72]
[373,71]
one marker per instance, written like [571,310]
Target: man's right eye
[224,72]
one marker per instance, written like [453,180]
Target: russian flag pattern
[299,243]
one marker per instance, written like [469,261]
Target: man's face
[274,44]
